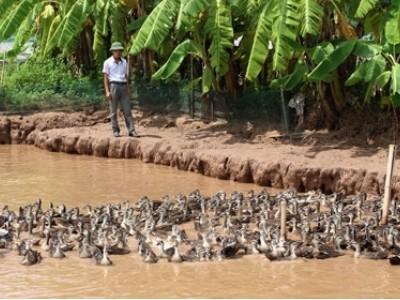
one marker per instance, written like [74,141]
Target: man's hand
[108,96]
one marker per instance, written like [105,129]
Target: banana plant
[278,26]
[206,26]
[378,66]
[59,24]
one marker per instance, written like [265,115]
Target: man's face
[117,54]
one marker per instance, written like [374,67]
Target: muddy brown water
[26,172]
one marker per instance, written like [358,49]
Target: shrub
[50,83]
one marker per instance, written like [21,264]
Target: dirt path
[242,151]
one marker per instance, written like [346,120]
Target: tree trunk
[148,69]
[326,106]
[337,93]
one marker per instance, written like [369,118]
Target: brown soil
[348,160]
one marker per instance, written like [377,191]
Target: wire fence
[269,106]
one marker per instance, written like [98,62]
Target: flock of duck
[192,227]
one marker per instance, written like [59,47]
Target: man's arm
[107,87]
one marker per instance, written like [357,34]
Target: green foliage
[311,16]
[12,22]
[38,84]
[367,71]
[284,44]
[259,48]
[176,59]
[365,7]
[219,28]
[291,81]
[284,31]
[156,26]
[332,61]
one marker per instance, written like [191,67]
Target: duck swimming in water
[84,249]
[55,250]
[150,257]
[175,257]
[31,257]
[102,258]
[320,226]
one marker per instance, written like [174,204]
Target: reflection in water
[26,172]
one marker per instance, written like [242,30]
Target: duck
[379,253]
[150,257]
[55,250]
[164,252]
[31,257]
[278,251]
[230,248]
[394,260]
[175,257]
[322,226]
[22,247]
[84,249]
[102,258]
[4,234]
[323,251]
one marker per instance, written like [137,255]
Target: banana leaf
[332,61]
[176,59]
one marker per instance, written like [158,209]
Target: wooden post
[284,112]
[388,183]
[191,104]
[283,220]
[3,69]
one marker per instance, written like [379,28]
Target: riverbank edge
[267,172]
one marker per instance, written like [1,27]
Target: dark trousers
[120,96]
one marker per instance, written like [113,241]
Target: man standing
[117,88]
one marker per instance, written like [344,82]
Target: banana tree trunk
[337,93]
[148,68]
[231,81]
[328,109]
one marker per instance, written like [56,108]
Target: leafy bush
[38,84]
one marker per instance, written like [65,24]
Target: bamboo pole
[283,220]
[388,183]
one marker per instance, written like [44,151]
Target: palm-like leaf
[392,28]
[259,48]
[367,71]
[14,19]
[176,59]
[311,13]
[117,22]
[102,10]
[365,7]
[284,32]
[181,15]
[46,46]
[194,7]
[156,27]
[5,5]
[289,82]
[219,28]
[332,61]
[25,31]
[395,79]
[71,25]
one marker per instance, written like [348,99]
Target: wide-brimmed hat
[116,46]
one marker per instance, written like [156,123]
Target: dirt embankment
[242,152]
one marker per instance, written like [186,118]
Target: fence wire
[269,106]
